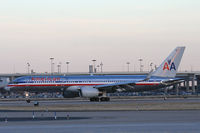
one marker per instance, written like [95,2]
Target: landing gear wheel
[105,99]
[94,99]
[28,100]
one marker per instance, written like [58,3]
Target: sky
[113,32]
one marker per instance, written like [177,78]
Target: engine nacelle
[70,94]
[88,91]
[74,88]
[83,91]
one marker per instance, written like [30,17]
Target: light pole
[51,64]
[94,65]
[67,66]
[60,63]
[58,68]
[98,67]
[191,68]
[128,63]
[101,67]
[28,67]
[140,60]
[151,65]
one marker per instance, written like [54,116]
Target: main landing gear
[28,100]
[102,99]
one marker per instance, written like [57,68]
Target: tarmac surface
[114,105]
[98,122]
[21,117]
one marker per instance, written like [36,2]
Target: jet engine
[89,91]
[71,92]
[82,91]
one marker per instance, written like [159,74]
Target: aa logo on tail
[169,65]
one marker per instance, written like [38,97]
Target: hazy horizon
[113,32]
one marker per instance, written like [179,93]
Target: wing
[131,86]
[127,86]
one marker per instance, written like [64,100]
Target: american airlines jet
[95,87]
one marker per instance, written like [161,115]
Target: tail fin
[170,65]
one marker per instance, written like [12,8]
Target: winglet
[170,65]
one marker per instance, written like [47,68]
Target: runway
[106,121]
[113,101]
[114,105]
[117,116]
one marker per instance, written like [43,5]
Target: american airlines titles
[45,79]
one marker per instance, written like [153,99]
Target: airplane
[96,87]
